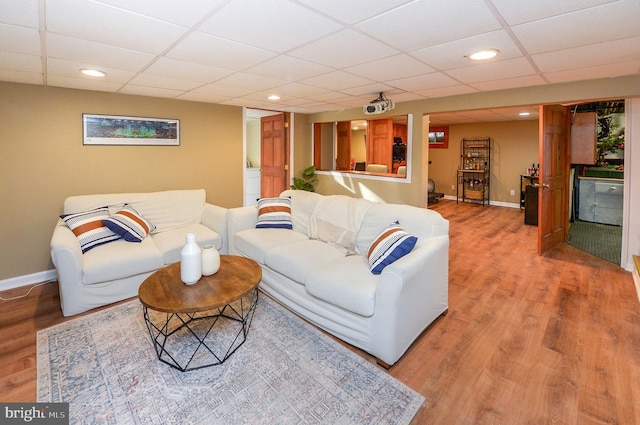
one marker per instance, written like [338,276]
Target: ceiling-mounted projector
[379,105]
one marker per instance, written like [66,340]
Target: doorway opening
[597,165]
[267,148]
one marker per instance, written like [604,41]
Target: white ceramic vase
[210,260]
[190,261]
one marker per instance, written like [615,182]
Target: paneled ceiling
[317,55]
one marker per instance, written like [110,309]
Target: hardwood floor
[528,339]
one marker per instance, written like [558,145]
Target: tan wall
[253,142]
[514,146]
[43,160]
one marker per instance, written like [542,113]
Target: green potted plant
[308,180]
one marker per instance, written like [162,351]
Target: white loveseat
[330,284]
[113,271]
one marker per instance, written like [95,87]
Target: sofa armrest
[238,219]
[411,294]
[66,256]
[215,218]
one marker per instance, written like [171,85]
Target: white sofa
[331,285]
[112,272]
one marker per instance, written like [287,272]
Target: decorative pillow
[88,228]
[274,213]
[129,224]
[390,245]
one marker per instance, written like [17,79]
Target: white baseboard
[30,279]
[494,203]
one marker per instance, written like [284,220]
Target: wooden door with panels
[553,204]
[380,142]
[273,155]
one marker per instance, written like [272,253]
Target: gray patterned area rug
[287,372]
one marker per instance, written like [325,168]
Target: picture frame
[129,131]
[439,137]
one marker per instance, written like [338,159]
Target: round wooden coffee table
[200,325]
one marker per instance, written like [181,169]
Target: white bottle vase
[210,260]
[190,261]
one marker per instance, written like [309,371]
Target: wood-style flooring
[528,339]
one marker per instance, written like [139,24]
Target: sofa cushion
[274,213]
[390,245]
[129,223]
[295,259]
[166,210]
[119,260]
[420,222]
[88,227]
[171,242]
[253,243]
[346,283]
[303,204]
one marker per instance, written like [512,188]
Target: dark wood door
[380,142]
[273,156]
[553,199]
[343,145]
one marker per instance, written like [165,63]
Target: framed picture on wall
[122,130]
[439,137]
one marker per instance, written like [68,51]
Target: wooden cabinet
[474,170]
[600,201]
[584,138]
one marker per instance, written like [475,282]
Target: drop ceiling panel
[455,54]
[20,62]
[260,24]
[343,49]
[426,23]
[19,40]
[507,83]
[206,49]
[582,28]
[423,82]
[516,12]
[165,10]
[288,68]
[491,71]
[109,25]
[352,11]
[619,51]
[446,91]
[70,69]
[83,84]
[337,80]
[156,81]
[19,12]
[391,68]
[253,82]
[97,54]
[147,91]
[594,72]
[169,68]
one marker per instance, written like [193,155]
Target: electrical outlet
[453,187]
[513,192]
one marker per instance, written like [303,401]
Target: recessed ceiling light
[274,97]
[484,54]
[524,114]
[93,72]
